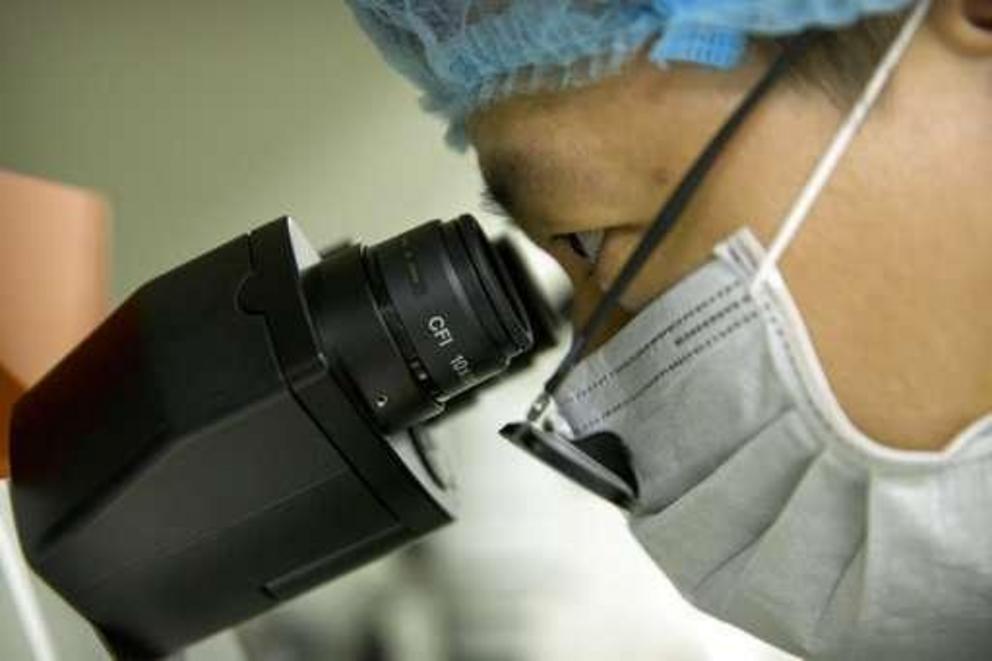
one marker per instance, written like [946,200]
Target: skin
[893,270]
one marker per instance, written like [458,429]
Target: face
[607,156]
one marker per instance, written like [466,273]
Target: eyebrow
[512,178]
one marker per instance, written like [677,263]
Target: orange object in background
[10,390]
[53,280]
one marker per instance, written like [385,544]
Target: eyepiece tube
[417,319]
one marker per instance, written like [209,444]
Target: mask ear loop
[830,160]
[666,219]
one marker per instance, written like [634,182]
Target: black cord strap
[673,208]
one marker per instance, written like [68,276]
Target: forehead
[555,184]
[555,160]
[627,112]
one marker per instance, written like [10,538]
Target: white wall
[200,119]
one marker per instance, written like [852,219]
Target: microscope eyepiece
[417,319]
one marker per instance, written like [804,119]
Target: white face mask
[762,502]
[759,498]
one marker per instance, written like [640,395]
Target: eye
[585,244]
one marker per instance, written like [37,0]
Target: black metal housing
[204,454]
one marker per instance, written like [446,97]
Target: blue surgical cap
[465,54]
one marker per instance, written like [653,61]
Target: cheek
[651,282]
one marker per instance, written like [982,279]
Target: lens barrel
[417,319]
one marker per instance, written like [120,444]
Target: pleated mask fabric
[763,503]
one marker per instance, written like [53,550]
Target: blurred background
[197,120]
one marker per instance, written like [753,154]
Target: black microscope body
[205,455]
